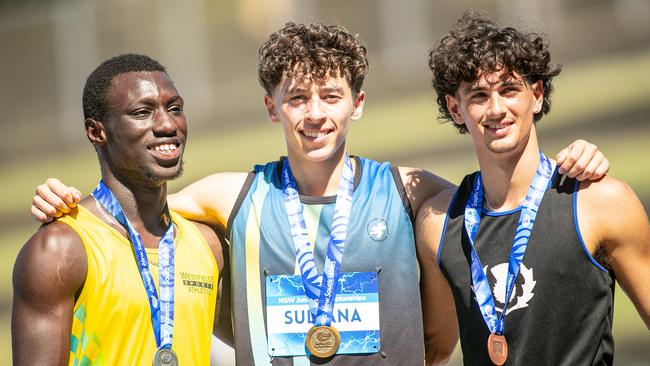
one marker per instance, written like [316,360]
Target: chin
[161,175]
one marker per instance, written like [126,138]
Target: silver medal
[165,357]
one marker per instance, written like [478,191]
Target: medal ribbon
[162,309]
[480,284]
[320,289]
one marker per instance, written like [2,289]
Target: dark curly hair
[94,94]
[314,50]
[475,46]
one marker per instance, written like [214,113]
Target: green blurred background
[210,49]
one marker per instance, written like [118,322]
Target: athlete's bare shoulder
[429,224]
[51,264]
[420,185]
[608,209]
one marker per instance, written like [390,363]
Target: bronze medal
[165,357]
[323,341]
[497,349]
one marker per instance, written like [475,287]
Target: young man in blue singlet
[79,296]
[313,75]
[519,238]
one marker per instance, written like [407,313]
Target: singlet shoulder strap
[240,199]
[399,184]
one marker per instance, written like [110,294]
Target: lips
[498,129]
[315,135]
[167,152]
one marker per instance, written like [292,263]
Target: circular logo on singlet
[377,229]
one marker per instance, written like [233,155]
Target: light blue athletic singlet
[380,238]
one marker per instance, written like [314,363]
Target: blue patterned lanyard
[480,284]
[320,289]
[162,311]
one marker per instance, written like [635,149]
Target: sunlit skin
[315,118]
[498,110]
[146,127]
[140,144]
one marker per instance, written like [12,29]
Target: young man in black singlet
[584,234]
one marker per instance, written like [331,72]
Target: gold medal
[497,349]
[165,357]
[323,341]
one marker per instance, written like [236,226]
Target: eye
[478,97]
[298,100]
[141,113]
[331,98]
[510,91]
[177,109]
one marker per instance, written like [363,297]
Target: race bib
[355,315]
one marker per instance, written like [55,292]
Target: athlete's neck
[143,206]
[318,178]
[507,176]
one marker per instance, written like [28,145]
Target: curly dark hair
[314,50]
[94,94]
[476,46]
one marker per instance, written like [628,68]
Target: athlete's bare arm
[612,220]
[211,199]
[49,271]
[222,327]
[580,159]
[438,309]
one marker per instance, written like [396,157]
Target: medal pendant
[165,357]
[323,341]
[497,349]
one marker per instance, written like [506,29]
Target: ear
[270,108]
[538,94]
[453,106]
[95,131]
[358,106]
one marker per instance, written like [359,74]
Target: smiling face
[498,110]
[314,116]
[145,128]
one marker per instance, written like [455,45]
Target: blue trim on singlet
[444,227]
[575,222]
[501,213]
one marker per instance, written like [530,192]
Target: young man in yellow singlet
[79,296]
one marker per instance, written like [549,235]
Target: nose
[164,123]
[315,110]
[495,107]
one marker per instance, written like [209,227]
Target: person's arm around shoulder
[421,185]
[581,159]
[438,309]
[612,219]
[209,200]
[222,327]
[49,271]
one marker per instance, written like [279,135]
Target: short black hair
[94,94]
[476,46]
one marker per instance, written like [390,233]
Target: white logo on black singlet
[521,294]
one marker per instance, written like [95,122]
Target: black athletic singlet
[561,309]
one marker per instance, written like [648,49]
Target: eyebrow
[336,89]
[296,89]
[506,83]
